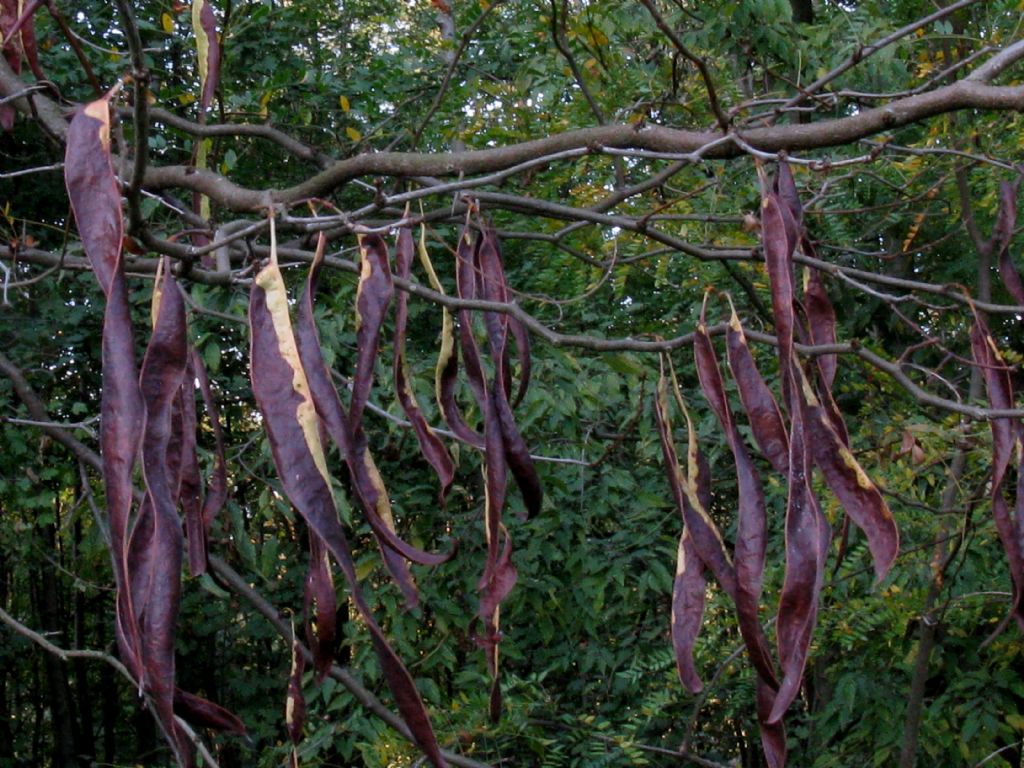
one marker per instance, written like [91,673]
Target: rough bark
[58,690]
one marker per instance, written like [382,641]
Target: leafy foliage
[569,231]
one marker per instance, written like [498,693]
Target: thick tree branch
[788,138]
[998,64]
[582,341]
[965,94]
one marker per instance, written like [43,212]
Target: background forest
[621,152]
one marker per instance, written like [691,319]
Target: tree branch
[965,94]
[263,131]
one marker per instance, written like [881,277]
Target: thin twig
[23,92]
[27,171]
[996,753]
[234,581]
[83,425]
[467,36]
[864,52]
[72,39]
[697,61]
[140,107]
[374,408]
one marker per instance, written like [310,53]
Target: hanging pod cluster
[784,437]
[299,402]
[1007,434]
[149,418]
[147,413]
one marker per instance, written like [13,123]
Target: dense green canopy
[613,165]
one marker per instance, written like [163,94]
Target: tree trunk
[57,687]
[803,11]
[927,634]
[35,700]
[6,737]
[110,709]
[86,745]
[915,697]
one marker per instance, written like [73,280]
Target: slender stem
[72,39]
[140,107]
[865,51]
[464,41]
[371,703]
[697,61]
